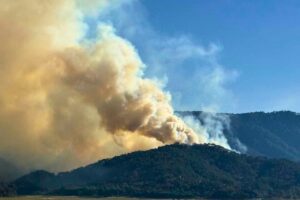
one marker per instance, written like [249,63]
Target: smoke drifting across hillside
[66,101]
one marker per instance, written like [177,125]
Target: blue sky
[229,55]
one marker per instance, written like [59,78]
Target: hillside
[8,171]
[7,190]
[173,171]
[274,135]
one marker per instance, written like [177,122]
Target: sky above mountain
[225,56]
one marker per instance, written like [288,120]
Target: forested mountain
[275,134]
[174,171]
[8,171]
[188,171]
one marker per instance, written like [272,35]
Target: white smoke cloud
[177,59]
[191,71]
[212,126]
[65,100]
[73,91]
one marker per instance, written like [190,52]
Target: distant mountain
[8,171]
[275,134]
[174,171]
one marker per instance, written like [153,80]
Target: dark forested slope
[173,171]
[9,171]
[7,190]
[275,134]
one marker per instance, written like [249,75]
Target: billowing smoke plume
[65,101]
[211,125]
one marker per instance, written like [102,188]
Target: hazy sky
[229,55]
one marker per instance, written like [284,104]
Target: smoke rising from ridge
[65,102]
